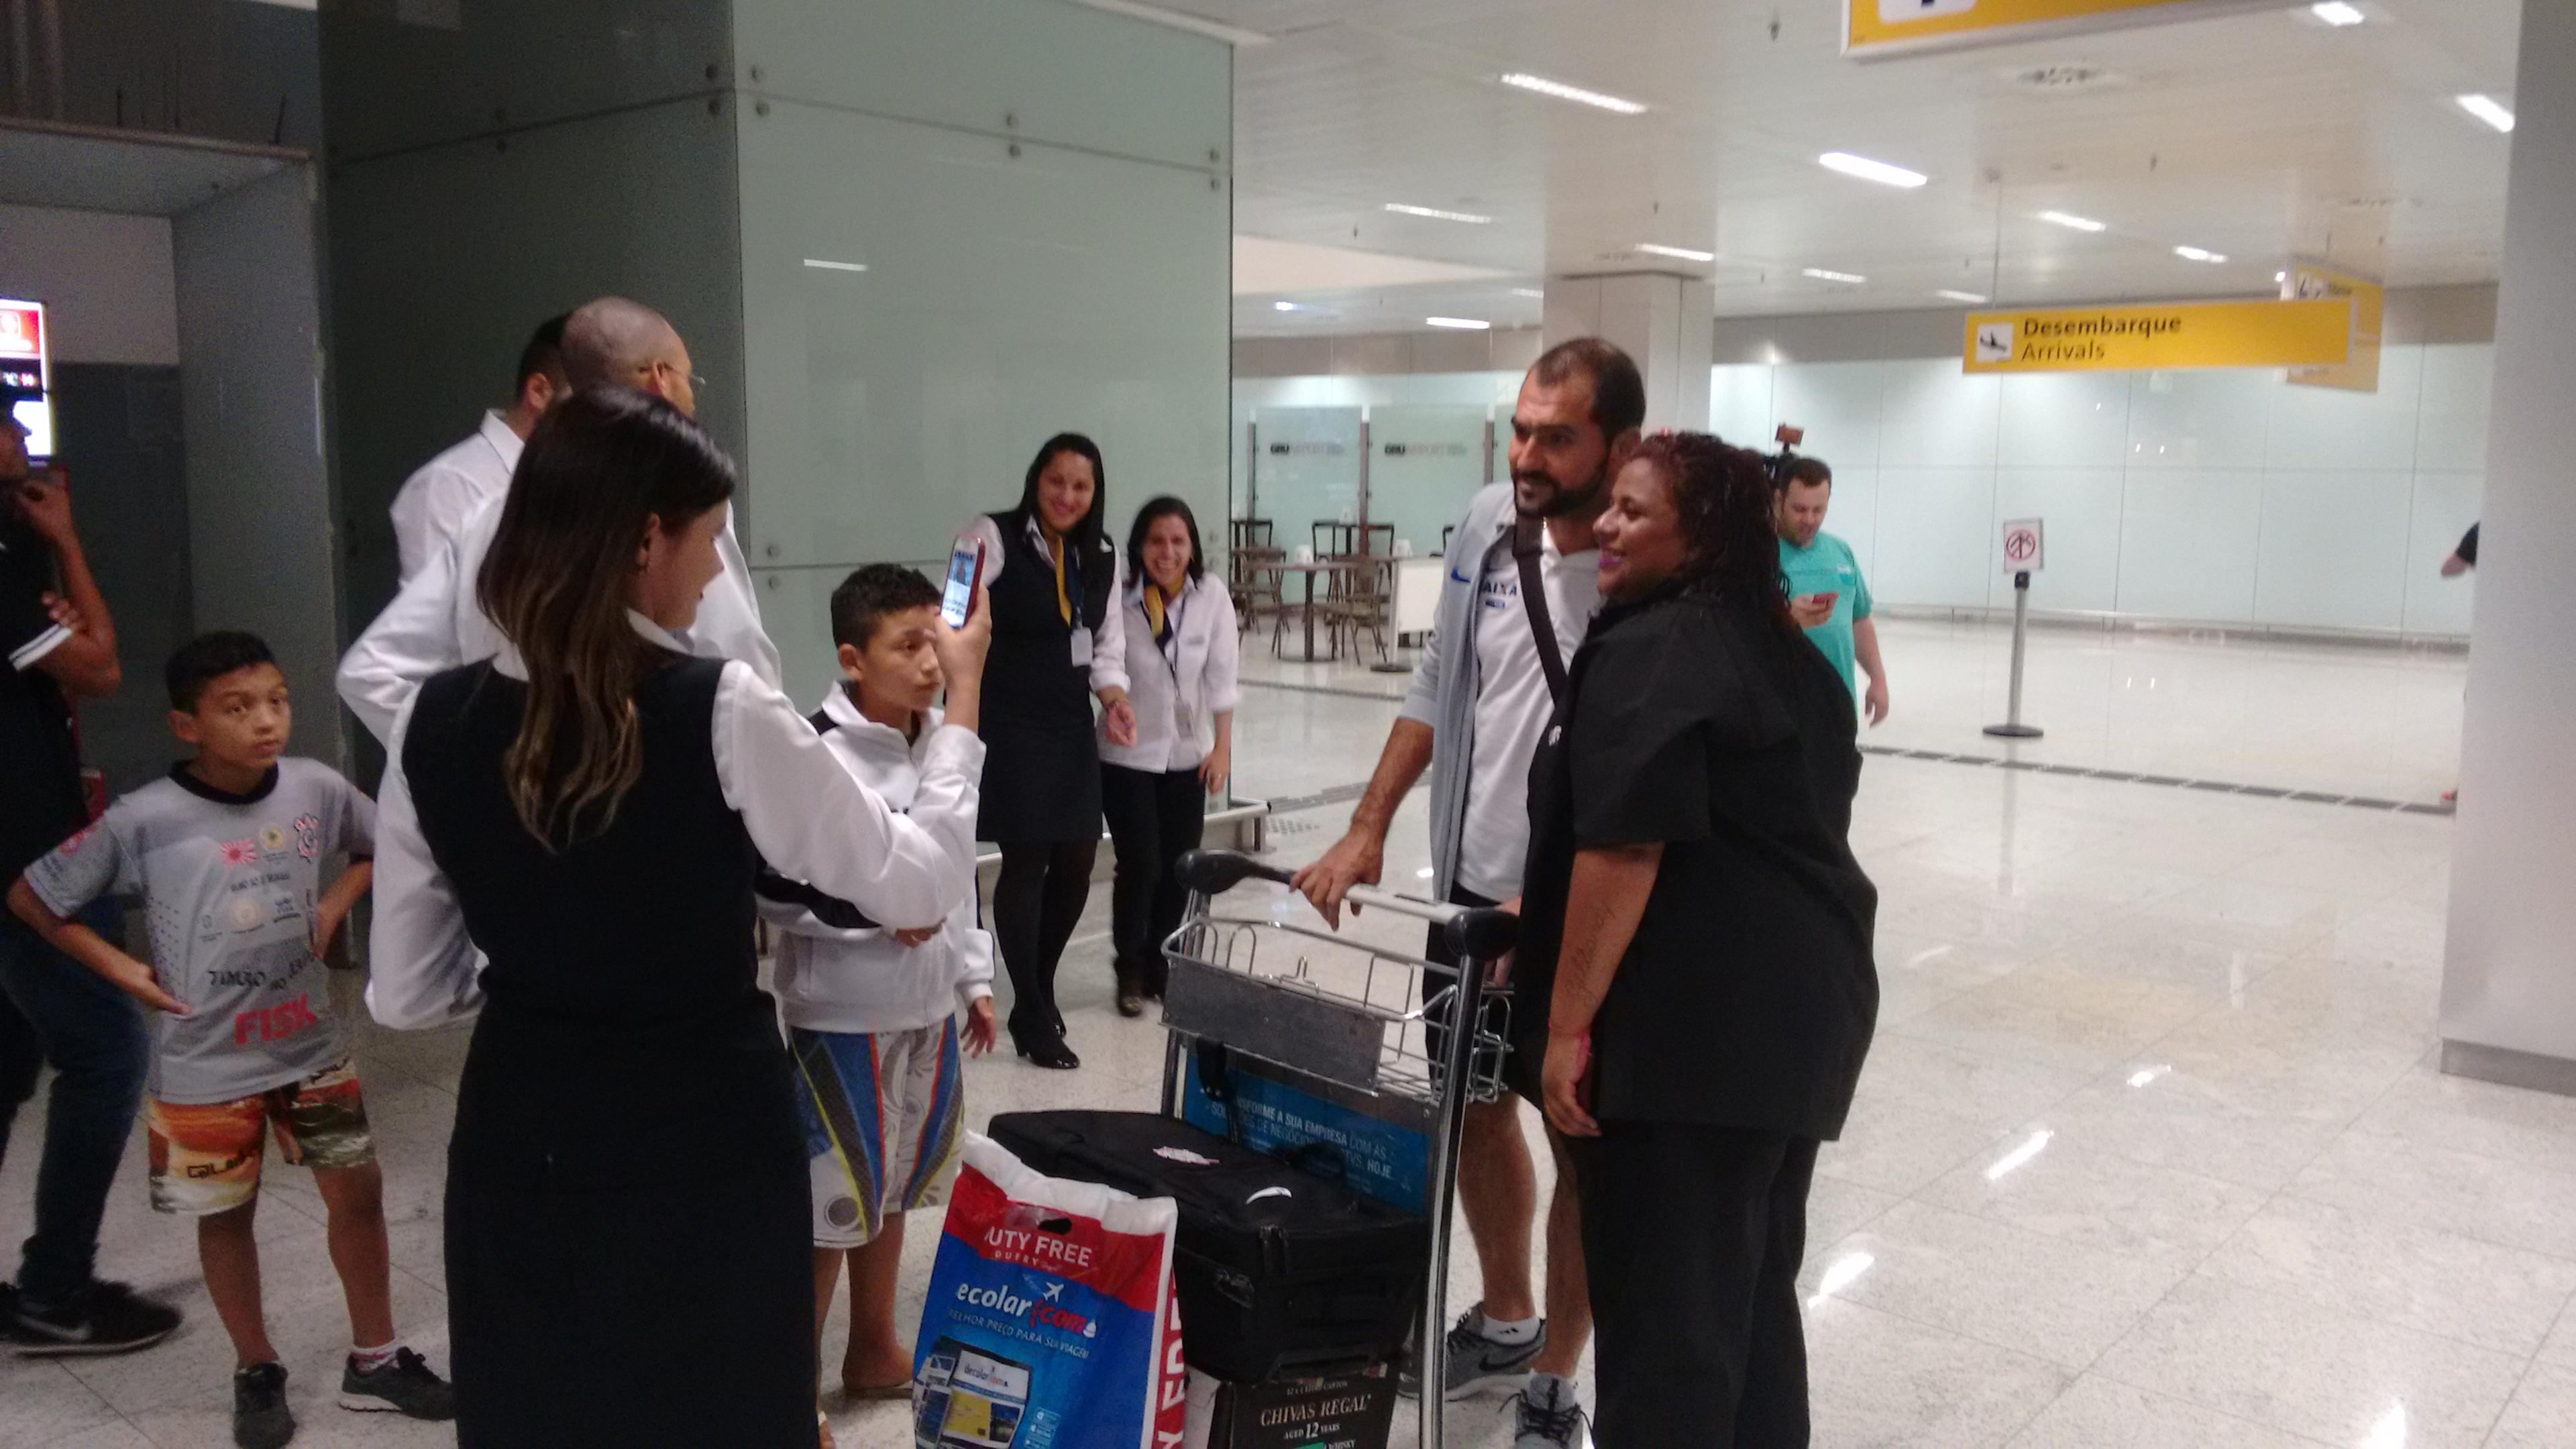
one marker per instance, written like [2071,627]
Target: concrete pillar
[1667,323]
[2509,977]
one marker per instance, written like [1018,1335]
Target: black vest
[641,932]
[624,1035]
[1031,683]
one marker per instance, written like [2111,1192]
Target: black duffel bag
[1278,1268]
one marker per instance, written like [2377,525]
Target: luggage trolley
[1362,1018]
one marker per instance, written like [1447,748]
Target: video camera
[1777,465]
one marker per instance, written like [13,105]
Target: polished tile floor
[2150,1152]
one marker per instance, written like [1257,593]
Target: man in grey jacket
[1480,699]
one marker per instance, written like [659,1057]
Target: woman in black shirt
[1695,968]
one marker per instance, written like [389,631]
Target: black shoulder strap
[1525,552]
[830,910]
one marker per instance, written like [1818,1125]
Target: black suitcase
[1277,1268]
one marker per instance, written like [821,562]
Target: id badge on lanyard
[1082,647]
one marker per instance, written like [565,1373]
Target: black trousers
[1692,1237]
[1037,901]
[1153,817]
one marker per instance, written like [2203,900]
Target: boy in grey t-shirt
[227,854]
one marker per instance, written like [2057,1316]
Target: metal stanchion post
[2012,728]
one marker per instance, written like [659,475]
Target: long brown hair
[1723,496]
[601,465]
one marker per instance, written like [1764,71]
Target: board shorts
[884,1118]
[206,1156]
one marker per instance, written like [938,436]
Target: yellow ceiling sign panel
[2360,371]
[1893,27]
[2161,337]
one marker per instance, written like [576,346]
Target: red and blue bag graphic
[1052,1322]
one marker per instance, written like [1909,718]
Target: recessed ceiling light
[2280,276]
[1533,293]
[1457,324]
[1822,275]
[2072,222]
[1180,20]
[1436,214]
[1971,298]
[2488,109]
[2199,254]
[1658,249]
[1561,91]
[1868,170]
[2336,12]
[1283,306]
[820,265]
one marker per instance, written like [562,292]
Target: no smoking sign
[2024,546]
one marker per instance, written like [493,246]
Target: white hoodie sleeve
[974,948]
[812,822]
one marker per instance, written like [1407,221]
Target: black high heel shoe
[1053,1055]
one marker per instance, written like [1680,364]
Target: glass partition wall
[1326,478]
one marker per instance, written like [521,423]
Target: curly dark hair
[1723,494]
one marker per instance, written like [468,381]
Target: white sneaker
[1551,1416]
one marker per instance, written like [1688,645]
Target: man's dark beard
[1564,502]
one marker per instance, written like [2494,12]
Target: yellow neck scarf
[1154,606]
[1056,545]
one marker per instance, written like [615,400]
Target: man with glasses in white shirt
[436,623]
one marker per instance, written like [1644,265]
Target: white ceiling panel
[2261,136]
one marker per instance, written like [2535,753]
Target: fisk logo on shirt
[274,1023]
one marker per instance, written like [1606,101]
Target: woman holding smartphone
[1059,641]
[628,1202]
[1181,660]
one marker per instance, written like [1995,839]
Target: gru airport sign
[1873,28]
[2161,337]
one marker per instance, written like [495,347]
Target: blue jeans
[54,1009]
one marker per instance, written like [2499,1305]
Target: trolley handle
[1479,933]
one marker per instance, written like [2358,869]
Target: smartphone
[965,569]
[1788,436]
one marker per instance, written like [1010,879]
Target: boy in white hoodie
[872,1014]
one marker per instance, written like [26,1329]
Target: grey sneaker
[404,1386]
[261,1419]
[1551,1417]
[1476,1362]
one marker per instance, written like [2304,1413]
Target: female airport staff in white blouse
[626,1183]
[1181,660]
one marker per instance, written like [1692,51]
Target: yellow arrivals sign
[2359,372]
[2161,337]
[1893,27]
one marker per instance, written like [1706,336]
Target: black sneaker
[103,1318]
[261,1419]
[402,1385]
[1476,1362]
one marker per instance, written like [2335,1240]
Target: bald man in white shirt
[436,501]
[435,623]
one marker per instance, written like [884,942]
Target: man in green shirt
[1827,595]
